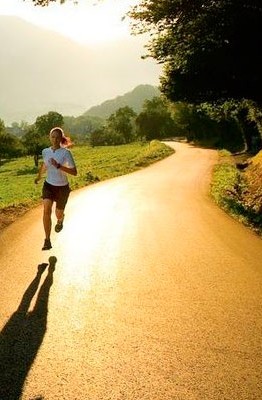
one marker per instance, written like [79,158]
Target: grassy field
[17,188]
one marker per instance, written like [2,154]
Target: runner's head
[57,134]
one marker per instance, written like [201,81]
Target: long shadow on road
[23,334]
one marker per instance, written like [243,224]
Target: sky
[98,26]
[88,22]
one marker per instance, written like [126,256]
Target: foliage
[10,146]
[119,129]
[2,126]
[153,152]
[34,142]
[207,126]
[239,193]
[36,137]
[93,164]
[227,186]
[155,120]
[46,122]
[80,128]
[244,115]
[122,123]
[210,49]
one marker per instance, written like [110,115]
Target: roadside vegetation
[236,187]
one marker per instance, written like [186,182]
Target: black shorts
[59,194]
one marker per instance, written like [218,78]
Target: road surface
[150,292]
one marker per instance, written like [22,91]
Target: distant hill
[133,99]
[43,71]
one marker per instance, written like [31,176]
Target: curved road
[151,293]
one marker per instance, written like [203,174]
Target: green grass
[225,183]
[237,192]
[94,164]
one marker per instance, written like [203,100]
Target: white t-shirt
[64,157]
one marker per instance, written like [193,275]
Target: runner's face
[55,138]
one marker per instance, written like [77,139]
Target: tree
[10,145]
[98,137]
[210,49]
[119,129]
[155,121]
[46,122]
[36,137]
[121,123]
[2,126]
[34,143]
[209,126]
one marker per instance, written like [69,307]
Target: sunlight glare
[87,22]
[90,259]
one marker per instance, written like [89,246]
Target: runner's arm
[41,170]
[68,170]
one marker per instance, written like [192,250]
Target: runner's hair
[65,140]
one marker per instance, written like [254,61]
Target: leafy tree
[208,126]
[121,124]
[10,146]
[155,121]
[119,128]
[246,116]
[34,142]
[2,126]
[46,122]
[98,137]
[36,136]
[106,137]
[210,49]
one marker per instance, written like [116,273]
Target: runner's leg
[61,200]
[59,214]
[47,217]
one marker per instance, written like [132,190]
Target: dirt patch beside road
[10,214]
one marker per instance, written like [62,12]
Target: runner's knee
[59,213]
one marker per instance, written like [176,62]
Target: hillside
[133,99]
[41,71]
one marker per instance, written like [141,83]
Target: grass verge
[239,192]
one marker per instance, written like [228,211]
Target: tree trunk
[36,159]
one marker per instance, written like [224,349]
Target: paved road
[151,293]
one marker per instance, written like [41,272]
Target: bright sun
[92,24]
[89,22]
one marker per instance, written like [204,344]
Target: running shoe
[59,226]
[47,245]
